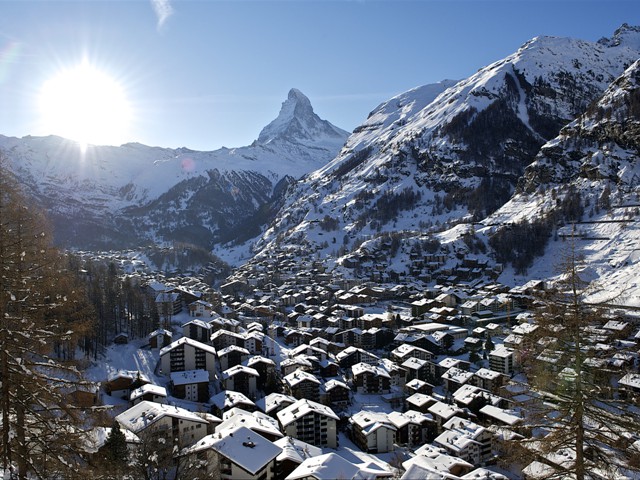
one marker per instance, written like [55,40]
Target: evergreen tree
[116,445]
[488,344]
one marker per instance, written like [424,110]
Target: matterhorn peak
[297,122]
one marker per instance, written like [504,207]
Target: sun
[86,105]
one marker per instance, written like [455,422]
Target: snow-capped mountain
[298,124]
[451,152]
[127,195]
[586,184]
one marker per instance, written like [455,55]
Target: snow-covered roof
[128,374]
[420,399]
[454,440]
[166,297]
[457,375]
[631,380]
[242,446]
[360,368]
[188,341]
[414,363]
[301,408]
[443,410]
[329,466]
[237,369]
[433,460]
[189,376]
[257,421]
[255,359]
[146,413]
[273,401]
[468,393]
[295,450]
[465,425]
[197,322]
[501,351]
[148,388]
[294,378]
[229,398]
[483,474]
[333,383]
[400,419]
[370,422]
[233,348]
[487,374]
[160,331]
[500,414]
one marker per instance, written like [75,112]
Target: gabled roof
[370,422]
[128,374]
[301,408]
[420,399]
[233,348]
[454,440]
[148,388]
[257,421]
[500,414]
[360,368]
[295,450]
[431,457]
[187,341]
[237,369]
[443,410]
[146,413]
[273,401]
[255,359]
[160,331]
[299,376]
[197,322]
[400,419]
[229,398]
[244,447]
[329,466]
[333,383]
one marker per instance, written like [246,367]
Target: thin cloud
[163,11]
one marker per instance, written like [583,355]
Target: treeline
[120,305]
[521,242]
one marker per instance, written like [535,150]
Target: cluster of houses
[267,374]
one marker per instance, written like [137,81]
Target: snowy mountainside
[119,196]
[452,152]
[594,162]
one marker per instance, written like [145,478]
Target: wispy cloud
[163,11]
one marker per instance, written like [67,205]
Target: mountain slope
[450,152]
[121,196]
[593,165]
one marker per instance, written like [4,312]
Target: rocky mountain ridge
[117,197]
[416,167]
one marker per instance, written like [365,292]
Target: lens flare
[86,105]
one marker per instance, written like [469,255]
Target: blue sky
[203,74]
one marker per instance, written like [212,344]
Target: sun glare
[86,105]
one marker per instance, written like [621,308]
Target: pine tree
[39,431]
[488,344]
[116,445]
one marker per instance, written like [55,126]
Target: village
[290,372]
